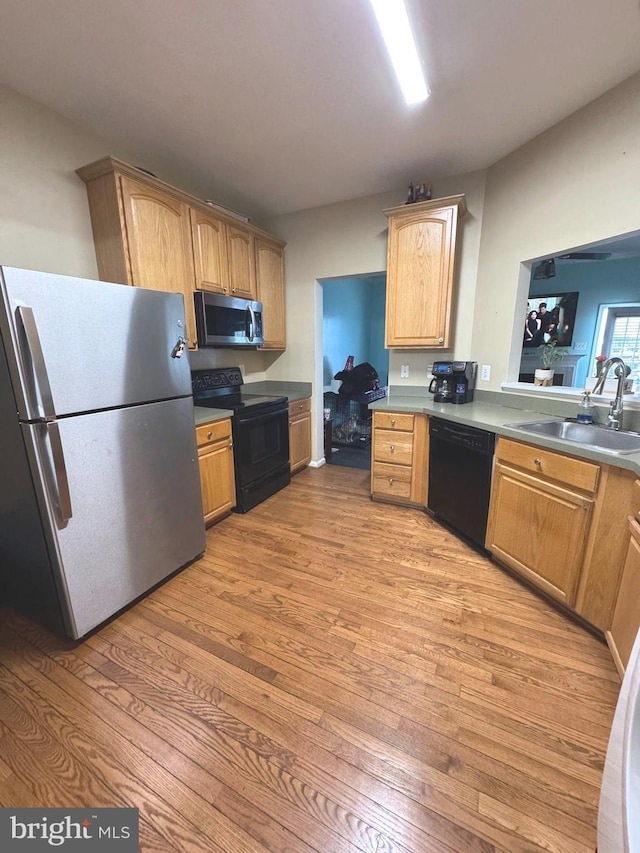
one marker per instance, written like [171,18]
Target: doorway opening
[353,312]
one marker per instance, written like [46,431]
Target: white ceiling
[272,106]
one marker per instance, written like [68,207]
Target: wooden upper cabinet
[148,233]
[159,244]
[270,289]
[242,268]
[210,252]
[420,268]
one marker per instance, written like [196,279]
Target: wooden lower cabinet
[561,523]
[299,434]
[539,528]
[217,477]
[399,458]
[625,621]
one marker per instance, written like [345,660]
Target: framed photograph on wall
[550,318]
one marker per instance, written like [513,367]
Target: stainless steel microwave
[227,321]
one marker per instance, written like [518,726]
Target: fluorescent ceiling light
[396,31]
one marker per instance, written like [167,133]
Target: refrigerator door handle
[41,377]
[60,469]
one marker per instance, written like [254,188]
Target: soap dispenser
[585,409]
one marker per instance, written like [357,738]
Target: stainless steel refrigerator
[99,486]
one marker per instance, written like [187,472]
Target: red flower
[601,358]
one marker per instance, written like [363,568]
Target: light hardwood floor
[335,675]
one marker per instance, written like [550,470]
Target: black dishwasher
[460,465]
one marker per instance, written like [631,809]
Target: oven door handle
[264,416]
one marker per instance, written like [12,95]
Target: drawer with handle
[297,407]
[555,466]
[208,433]
[391,480]
[393,447]
[389,420]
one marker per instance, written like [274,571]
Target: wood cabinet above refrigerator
[148,233]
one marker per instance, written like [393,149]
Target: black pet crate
[351,417]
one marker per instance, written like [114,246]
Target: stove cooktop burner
[222,388]
[238,402]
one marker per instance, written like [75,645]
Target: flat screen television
[550,318]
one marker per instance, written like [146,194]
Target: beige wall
[44,215]
[44,218]
[573,185]
[350,239]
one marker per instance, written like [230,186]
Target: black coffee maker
[453,381]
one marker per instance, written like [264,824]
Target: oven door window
[261,445]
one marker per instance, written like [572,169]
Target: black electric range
[223,388]
[260,432]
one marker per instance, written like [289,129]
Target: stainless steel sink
[588,435]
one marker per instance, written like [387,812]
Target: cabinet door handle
[392,447]
[209,434]
[393,421]
[440,340]
[390,481]
[537,461]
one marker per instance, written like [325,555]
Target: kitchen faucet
[614,418]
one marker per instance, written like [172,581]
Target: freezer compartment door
[76,345]
[134,510]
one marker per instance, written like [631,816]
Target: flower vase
[543,377]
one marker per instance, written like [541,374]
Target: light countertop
[291,390]
[202,415]
[498,418]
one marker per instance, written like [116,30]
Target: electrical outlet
[580,347]
[404,371]
[485,374]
